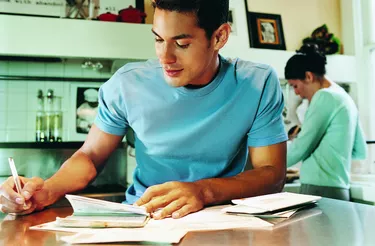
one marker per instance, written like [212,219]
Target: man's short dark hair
[211,14]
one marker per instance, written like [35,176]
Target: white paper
[103,221]
[53,226]
[126,235]
[90,235]
[211,218]
[285,214]
[85,205]
[243,209]
[167,230]
[271,202]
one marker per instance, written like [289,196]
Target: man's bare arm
[74,175]
[268,176]
[181,198]
[79,170]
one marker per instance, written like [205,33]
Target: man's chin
[175,83]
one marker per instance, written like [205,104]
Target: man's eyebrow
[181,36]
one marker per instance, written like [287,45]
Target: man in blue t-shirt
[197,117]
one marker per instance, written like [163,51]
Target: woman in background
[331,135]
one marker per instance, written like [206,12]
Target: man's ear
[221,36]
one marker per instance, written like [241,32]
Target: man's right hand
[32,195]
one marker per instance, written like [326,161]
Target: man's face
[187,57]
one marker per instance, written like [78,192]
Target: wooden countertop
[340,223]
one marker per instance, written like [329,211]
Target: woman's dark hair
[308,58]
[210,14]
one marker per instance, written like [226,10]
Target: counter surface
[46,145]
[340,223]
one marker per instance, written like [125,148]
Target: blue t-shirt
[186,134]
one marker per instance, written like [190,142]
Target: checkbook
[95,213]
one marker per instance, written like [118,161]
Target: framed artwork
[83,109]
[265,31]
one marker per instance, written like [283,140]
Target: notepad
[90,212]
[275,205]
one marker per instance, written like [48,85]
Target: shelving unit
[340,68]
[54,37]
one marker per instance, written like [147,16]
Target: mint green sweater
[331,136]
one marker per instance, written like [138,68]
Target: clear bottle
[49,117]
[57,120]
[40,119]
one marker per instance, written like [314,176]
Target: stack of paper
[279,205]
[262,212]
[89,212]
[90,206]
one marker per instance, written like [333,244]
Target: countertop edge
[47,145]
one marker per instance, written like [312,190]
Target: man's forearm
[259,181]
[75,174]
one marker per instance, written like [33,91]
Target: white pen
[15,176]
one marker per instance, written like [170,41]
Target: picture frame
[82,112]
[265,31]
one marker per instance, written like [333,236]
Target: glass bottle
[49,117]
[57,119]
[40,117]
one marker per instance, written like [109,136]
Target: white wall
[301,17]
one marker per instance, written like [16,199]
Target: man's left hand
[176,199]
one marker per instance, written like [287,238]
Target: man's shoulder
[252,66]
[141,66]
[251,71]
[133,72]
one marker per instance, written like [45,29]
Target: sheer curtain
[364,39]
[368,9]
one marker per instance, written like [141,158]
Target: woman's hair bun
[308,58]
[312,51]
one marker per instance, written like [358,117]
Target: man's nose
[166,55]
